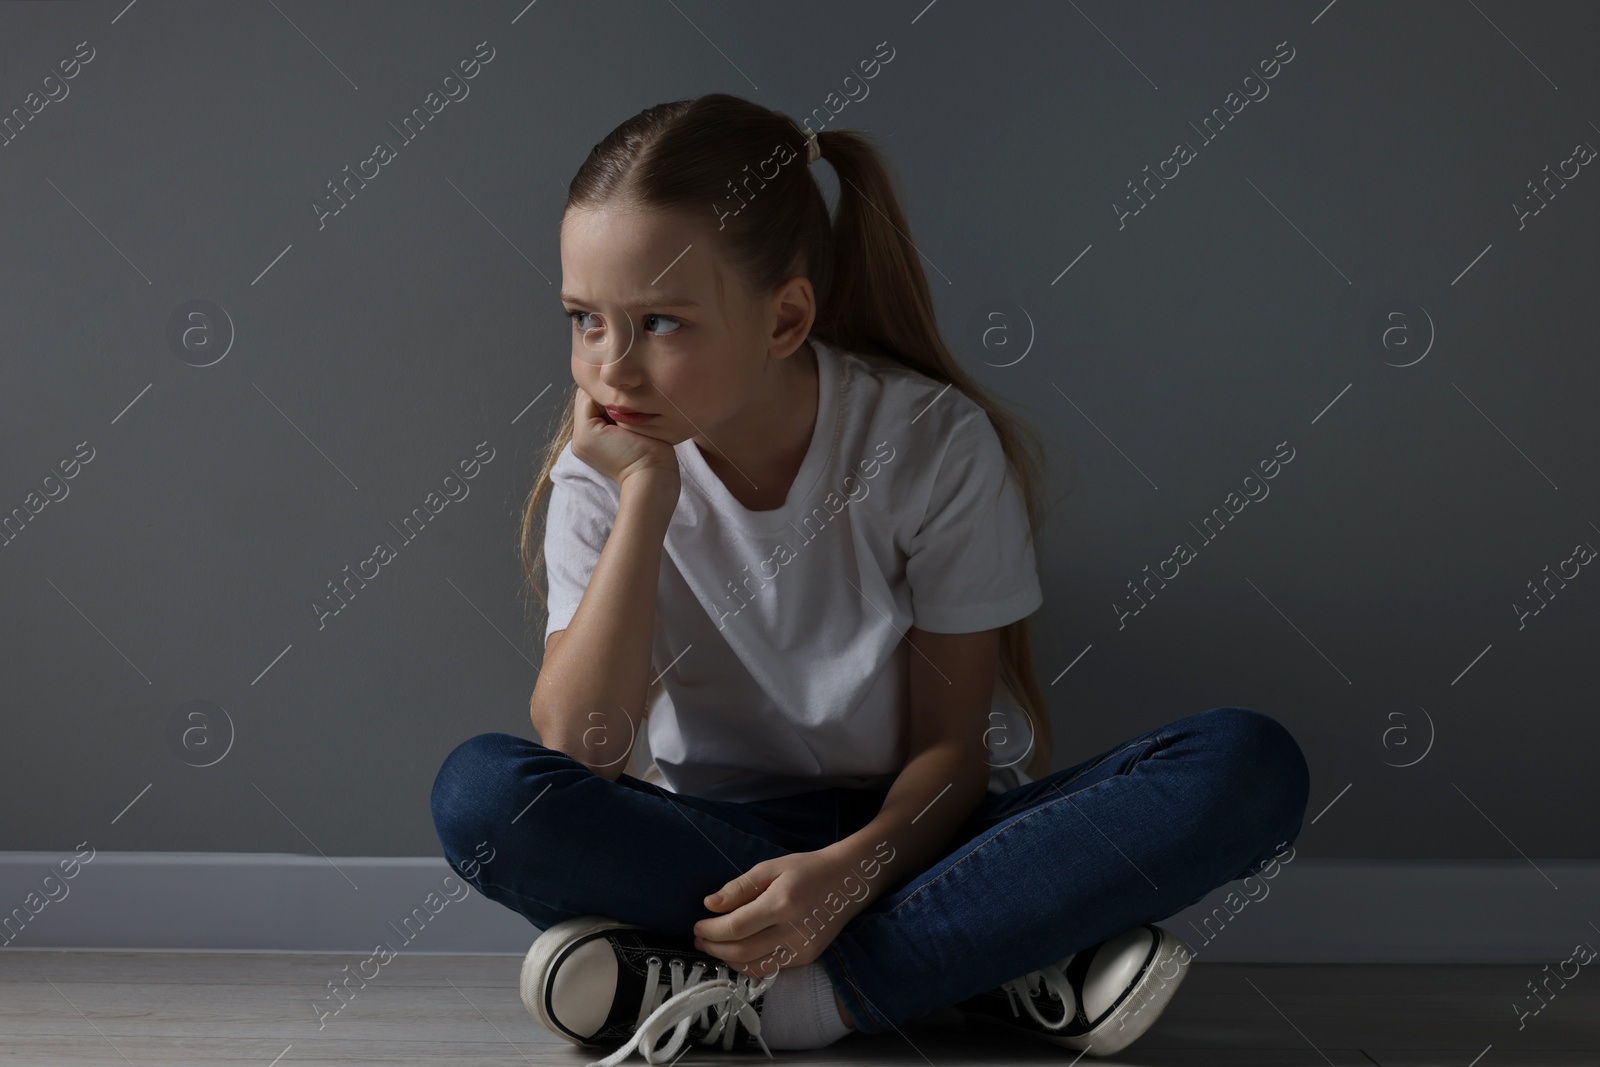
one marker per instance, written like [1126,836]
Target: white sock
[798,1011]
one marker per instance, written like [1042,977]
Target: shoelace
[692,996]
[1054,978]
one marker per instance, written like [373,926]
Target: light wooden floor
[119,1008]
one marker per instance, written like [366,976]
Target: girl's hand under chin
[613,449]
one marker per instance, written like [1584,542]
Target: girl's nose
[619,371]
[608,349]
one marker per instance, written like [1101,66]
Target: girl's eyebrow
[660,300]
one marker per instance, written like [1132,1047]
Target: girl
[789,546]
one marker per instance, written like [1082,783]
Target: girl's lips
[630,417]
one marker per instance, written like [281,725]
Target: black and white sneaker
[1101,999]
[600,982]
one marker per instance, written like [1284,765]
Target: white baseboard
[1311,911]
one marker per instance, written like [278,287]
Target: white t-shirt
[779,634]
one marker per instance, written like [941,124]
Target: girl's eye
[577,322]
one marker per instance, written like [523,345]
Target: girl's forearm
[934,793]
[589,701]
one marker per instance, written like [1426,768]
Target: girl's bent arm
[590,697]
[946,772]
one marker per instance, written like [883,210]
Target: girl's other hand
[613,449]
[766,911]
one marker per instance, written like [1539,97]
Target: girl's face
[658,322]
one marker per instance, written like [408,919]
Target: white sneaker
[1101,999]
[598,981]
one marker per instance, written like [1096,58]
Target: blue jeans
[1130,836]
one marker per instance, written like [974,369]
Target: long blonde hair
[872,295]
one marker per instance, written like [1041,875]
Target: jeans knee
[1268,766]
[472,781]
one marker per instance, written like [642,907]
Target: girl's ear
[792,312]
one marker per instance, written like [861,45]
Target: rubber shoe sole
[584,1006]
[1157,961]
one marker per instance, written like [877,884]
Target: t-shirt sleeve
[971,563]
[583,508]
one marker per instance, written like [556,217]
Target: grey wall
[1368,601]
